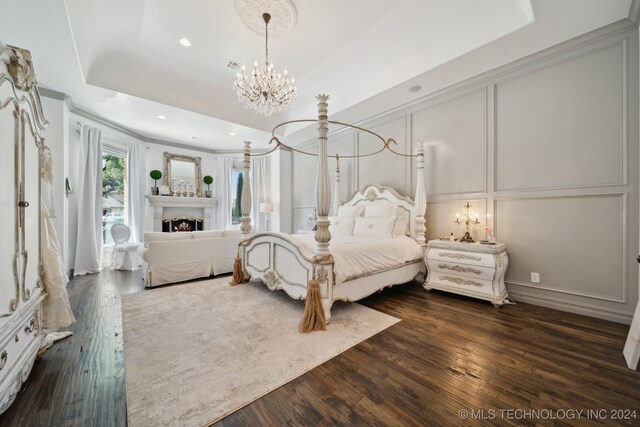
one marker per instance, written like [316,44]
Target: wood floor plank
[449,353]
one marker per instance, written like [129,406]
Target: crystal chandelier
[266,90]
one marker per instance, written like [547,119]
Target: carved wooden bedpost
[420,200]
[336,187]
[323,184]
[246,192]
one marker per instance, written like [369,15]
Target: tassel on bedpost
[238,275]
[313,317]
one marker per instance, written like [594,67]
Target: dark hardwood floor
[449,354]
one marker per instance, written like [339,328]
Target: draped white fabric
[56,310]
[261,191]
[89,241]
[223,192]
[136,188]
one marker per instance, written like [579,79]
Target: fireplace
[176,225]
[170,212]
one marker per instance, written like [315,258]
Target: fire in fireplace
[176,225]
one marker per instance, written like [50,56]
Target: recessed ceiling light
[232,134]
[161,117]
[415,88]
[185,42]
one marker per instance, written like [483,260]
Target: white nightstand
[470,269]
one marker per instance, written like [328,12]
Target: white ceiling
[120,59]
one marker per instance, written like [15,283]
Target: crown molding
[178,145]
[53,94]
[634,12]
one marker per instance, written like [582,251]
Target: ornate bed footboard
[283,262]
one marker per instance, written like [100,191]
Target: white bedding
[355,256]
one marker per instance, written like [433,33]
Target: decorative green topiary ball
[208,180]
[155,174]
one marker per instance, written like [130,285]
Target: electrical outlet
[535,277]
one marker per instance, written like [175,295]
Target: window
[113,193]
[237,182]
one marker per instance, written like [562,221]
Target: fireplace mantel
[159,203]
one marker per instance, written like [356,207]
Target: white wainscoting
[546,151]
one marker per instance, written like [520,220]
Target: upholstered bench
[178,257]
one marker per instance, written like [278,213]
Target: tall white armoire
[21,293]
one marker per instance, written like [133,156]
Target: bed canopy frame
[309,274]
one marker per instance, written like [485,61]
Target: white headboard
[372,194]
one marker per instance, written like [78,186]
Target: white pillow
[341,225]
[229,233]
[207,234]
[158,236]
[400,229]
[379,210]
[374,227]
[350,210]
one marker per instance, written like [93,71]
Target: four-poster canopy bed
[344,268]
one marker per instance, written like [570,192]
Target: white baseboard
[572,307]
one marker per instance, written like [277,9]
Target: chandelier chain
[266,42]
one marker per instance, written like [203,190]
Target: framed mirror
[182,173]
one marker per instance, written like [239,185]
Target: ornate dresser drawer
[469,269]
[22,342]
[462,257]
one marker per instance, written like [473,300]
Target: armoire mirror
[182,173]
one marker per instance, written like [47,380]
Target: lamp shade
[266,207]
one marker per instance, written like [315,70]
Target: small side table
[470,269]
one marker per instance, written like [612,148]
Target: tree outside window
[237,180]
[113,194]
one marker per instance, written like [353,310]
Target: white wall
[281,197]
[546,151]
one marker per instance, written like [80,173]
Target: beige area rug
[197,352]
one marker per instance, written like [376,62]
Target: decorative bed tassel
[313,317]
[238,276]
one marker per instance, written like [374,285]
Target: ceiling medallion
[265,90]
[283,15]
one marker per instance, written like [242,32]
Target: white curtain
[136,189]
[224,166]
[261,191]
[89,241]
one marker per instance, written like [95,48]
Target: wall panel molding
[581,228]
[588,106]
